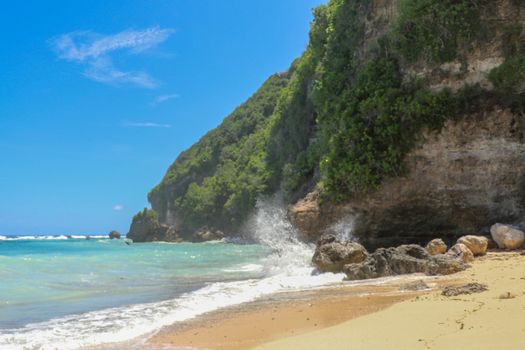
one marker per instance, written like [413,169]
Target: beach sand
[494,319]
[372,316]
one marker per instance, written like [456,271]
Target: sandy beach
[385,316]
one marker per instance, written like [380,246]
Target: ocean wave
[287,267]
[125,323]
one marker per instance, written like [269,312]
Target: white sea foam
[287,268]
[3,238]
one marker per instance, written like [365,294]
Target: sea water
[59,292]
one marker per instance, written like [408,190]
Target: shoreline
[284,314]
[332,317]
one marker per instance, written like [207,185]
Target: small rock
[461,251]
[436,246]
[507,236]
[507,295]
[477,244]
[114,235]
[416,285]
[464,289]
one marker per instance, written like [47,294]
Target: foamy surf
[125,323]
[283,266]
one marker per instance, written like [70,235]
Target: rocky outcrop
[460,180]
[476,244]
[404,259]
[507,236]
[209,235]
[436,246]
[114,235]
[331,255]
[145,227]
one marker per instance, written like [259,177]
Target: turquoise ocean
[66,292]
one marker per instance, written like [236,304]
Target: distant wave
[56,237]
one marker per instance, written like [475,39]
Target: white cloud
[163,98]
[147,125]
[118,207]
[93,51]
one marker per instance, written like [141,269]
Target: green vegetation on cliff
[342,118]
[217,180]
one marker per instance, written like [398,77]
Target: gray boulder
[404,259]
[507,236]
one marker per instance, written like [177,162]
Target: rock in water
[114,235]
[208,235]
[477,244]
[462,252]
[436,246]
[145,227]
[507,236]
[331,254]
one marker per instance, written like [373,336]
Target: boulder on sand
[477,244]
[404,259]
[331,254]
[461,251]
[507,236]
[436,246]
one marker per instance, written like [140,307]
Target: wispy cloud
[94,51]
[163,98]
[147,125]
[118,207]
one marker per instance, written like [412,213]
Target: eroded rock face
[331,254]
[147,229]
[461,251]
[476,244]
[404,259]
[460,180]
[507,236]
[436,246]
[209,235]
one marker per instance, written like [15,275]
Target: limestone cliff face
[459,181]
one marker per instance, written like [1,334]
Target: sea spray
[270,227]
[343,229]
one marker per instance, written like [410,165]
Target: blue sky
[97,98]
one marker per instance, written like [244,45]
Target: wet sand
[284,315]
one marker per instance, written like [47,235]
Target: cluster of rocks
[333,255]
[357,263]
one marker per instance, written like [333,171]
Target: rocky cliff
[403,119]
[461,178]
